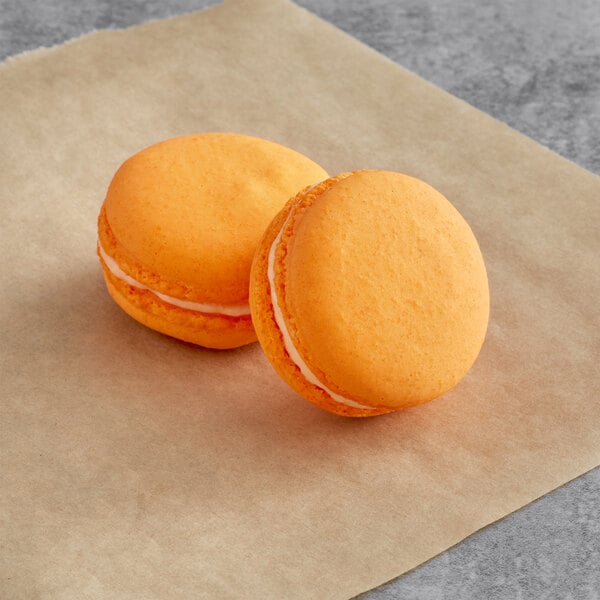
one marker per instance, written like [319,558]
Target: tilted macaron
[180,225]
[369,293]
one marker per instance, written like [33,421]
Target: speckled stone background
[534,65]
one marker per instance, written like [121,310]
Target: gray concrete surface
[534,65]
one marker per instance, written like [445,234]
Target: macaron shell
[266,328]
[393,307]
[210,331]
[187,214]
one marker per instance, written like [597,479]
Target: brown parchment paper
[135,466]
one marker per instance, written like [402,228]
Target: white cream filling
[287,340]
[234,310]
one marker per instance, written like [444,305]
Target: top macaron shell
[195,207]
[179,227]
[383,289]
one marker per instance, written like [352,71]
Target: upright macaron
[369,293]
[179,227]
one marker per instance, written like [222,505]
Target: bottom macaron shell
[270,336]
[218,332]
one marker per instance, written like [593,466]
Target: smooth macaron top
[185,215]
[383,288]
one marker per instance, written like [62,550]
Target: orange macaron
[369,293]
[179,227]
